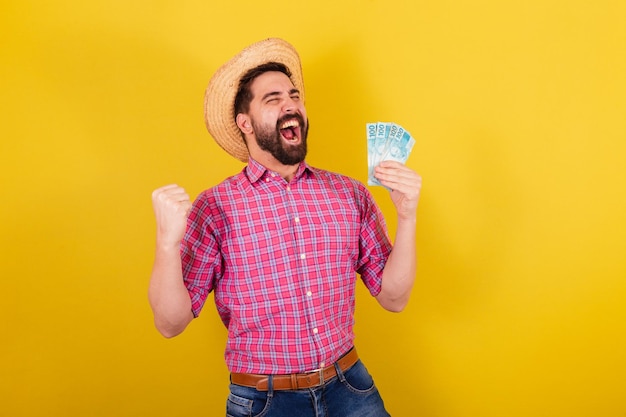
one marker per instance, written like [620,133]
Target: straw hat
[219,98]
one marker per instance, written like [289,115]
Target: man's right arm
[167,293]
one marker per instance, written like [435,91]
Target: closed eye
[272,96]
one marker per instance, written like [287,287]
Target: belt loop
[339,372]
[270,386]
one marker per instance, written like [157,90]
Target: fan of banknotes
[386,141]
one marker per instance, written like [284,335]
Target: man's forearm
[167,293]
[400,269]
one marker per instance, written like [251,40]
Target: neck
[269,162]
[288,171]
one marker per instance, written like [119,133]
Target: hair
[244,95]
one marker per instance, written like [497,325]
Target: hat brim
[219,98]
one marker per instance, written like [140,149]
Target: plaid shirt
[282,259]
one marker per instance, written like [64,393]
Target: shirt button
[309,293]
[302,256]
[273,175]
[322,364]
[315,330]
[288,188]
[267,180]
[297,219]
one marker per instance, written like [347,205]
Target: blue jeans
[350,394]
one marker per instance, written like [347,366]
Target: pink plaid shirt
[282,259]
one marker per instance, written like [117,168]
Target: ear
[244,123]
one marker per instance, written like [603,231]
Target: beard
[270,139]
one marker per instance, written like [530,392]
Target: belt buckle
[320,371]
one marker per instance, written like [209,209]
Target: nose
[290,105]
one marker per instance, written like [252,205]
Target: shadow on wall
[464,253]
[468,245]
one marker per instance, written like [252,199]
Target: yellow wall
[518,108]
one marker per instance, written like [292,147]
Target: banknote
[371,142]
[377,149]
[399,146]
[386,141]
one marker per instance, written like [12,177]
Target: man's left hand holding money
[405,185]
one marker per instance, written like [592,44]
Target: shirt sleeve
[200,254]
[374,243]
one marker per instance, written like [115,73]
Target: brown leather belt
[296,381]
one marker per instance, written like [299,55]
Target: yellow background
[518,108]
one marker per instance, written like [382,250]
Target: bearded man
[281,245]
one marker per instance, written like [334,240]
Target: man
[281,244]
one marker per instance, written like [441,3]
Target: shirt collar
[255,171]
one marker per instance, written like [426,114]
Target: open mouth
[290,130]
